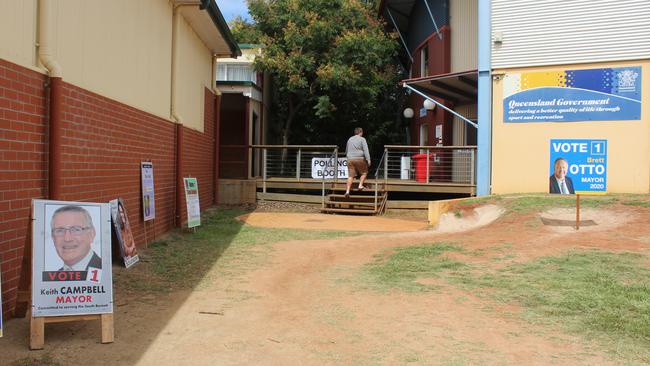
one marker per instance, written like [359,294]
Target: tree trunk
[285,133]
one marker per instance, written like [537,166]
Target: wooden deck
[392,185]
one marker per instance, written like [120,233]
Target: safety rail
[294,162]
[428,164]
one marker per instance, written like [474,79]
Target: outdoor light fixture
[429,105]
[408,113]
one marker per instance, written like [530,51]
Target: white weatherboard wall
[463,19]
[555,32]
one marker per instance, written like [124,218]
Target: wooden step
[366,204]
[343,210]
[352,198]
[348,205]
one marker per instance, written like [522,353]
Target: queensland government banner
[607,94]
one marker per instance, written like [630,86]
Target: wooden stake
[37,327]
[577,212]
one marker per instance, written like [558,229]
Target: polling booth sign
[578,166]
[323,168]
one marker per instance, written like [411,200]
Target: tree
[243,31]
[331,62]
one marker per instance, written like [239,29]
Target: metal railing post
[428,167]
[298,164]
[336,166]
[385,165]
[472,166]
[264,170]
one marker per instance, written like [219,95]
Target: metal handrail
[413,147]
[377,176]
[295,146]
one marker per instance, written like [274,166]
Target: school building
[89,89]
[510,76]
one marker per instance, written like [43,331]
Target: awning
[459,87]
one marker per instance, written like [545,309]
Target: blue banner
[578,166]
[610,94]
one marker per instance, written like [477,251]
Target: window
[236,72]
[424,61]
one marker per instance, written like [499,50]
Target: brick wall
[103,144]
[198,156]
[23,166]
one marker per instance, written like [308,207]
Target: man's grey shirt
[357,148]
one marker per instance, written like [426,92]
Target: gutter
[217,18]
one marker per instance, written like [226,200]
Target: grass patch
[403,267]
[591,291]
[600,295]
[637,203]
[527,203]
[480,200]
[181,260]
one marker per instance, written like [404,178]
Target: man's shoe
[347,194]
[362,188]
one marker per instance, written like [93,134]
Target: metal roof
[459,87]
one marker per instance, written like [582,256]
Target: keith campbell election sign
[71,262]
[578,166]
[608,94]
[324,168]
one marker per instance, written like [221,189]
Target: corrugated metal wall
[463,20]
[552,32]
[462,159]
[469,111]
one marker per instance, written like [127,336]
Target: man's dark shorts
[357,167]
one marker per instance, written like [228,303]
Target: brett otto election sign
[578,166]
[324,168]
[71,262]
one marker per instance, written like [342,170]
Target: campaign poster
[604,94]
[122,227]
[148,202]
[578,166]
[323,168]
[71,262]
[192,202]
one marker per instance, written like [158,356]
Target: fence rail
[419,164]
[429,164]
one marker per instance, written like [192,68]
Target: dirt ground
[297,305]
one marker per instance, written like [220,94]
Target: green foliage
[243,31]
[332,66]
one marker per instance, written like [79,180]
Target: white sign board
[192,202]
[148,201]
[324,168]
[71,262]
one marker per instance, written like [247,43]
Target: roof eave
[217,18]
